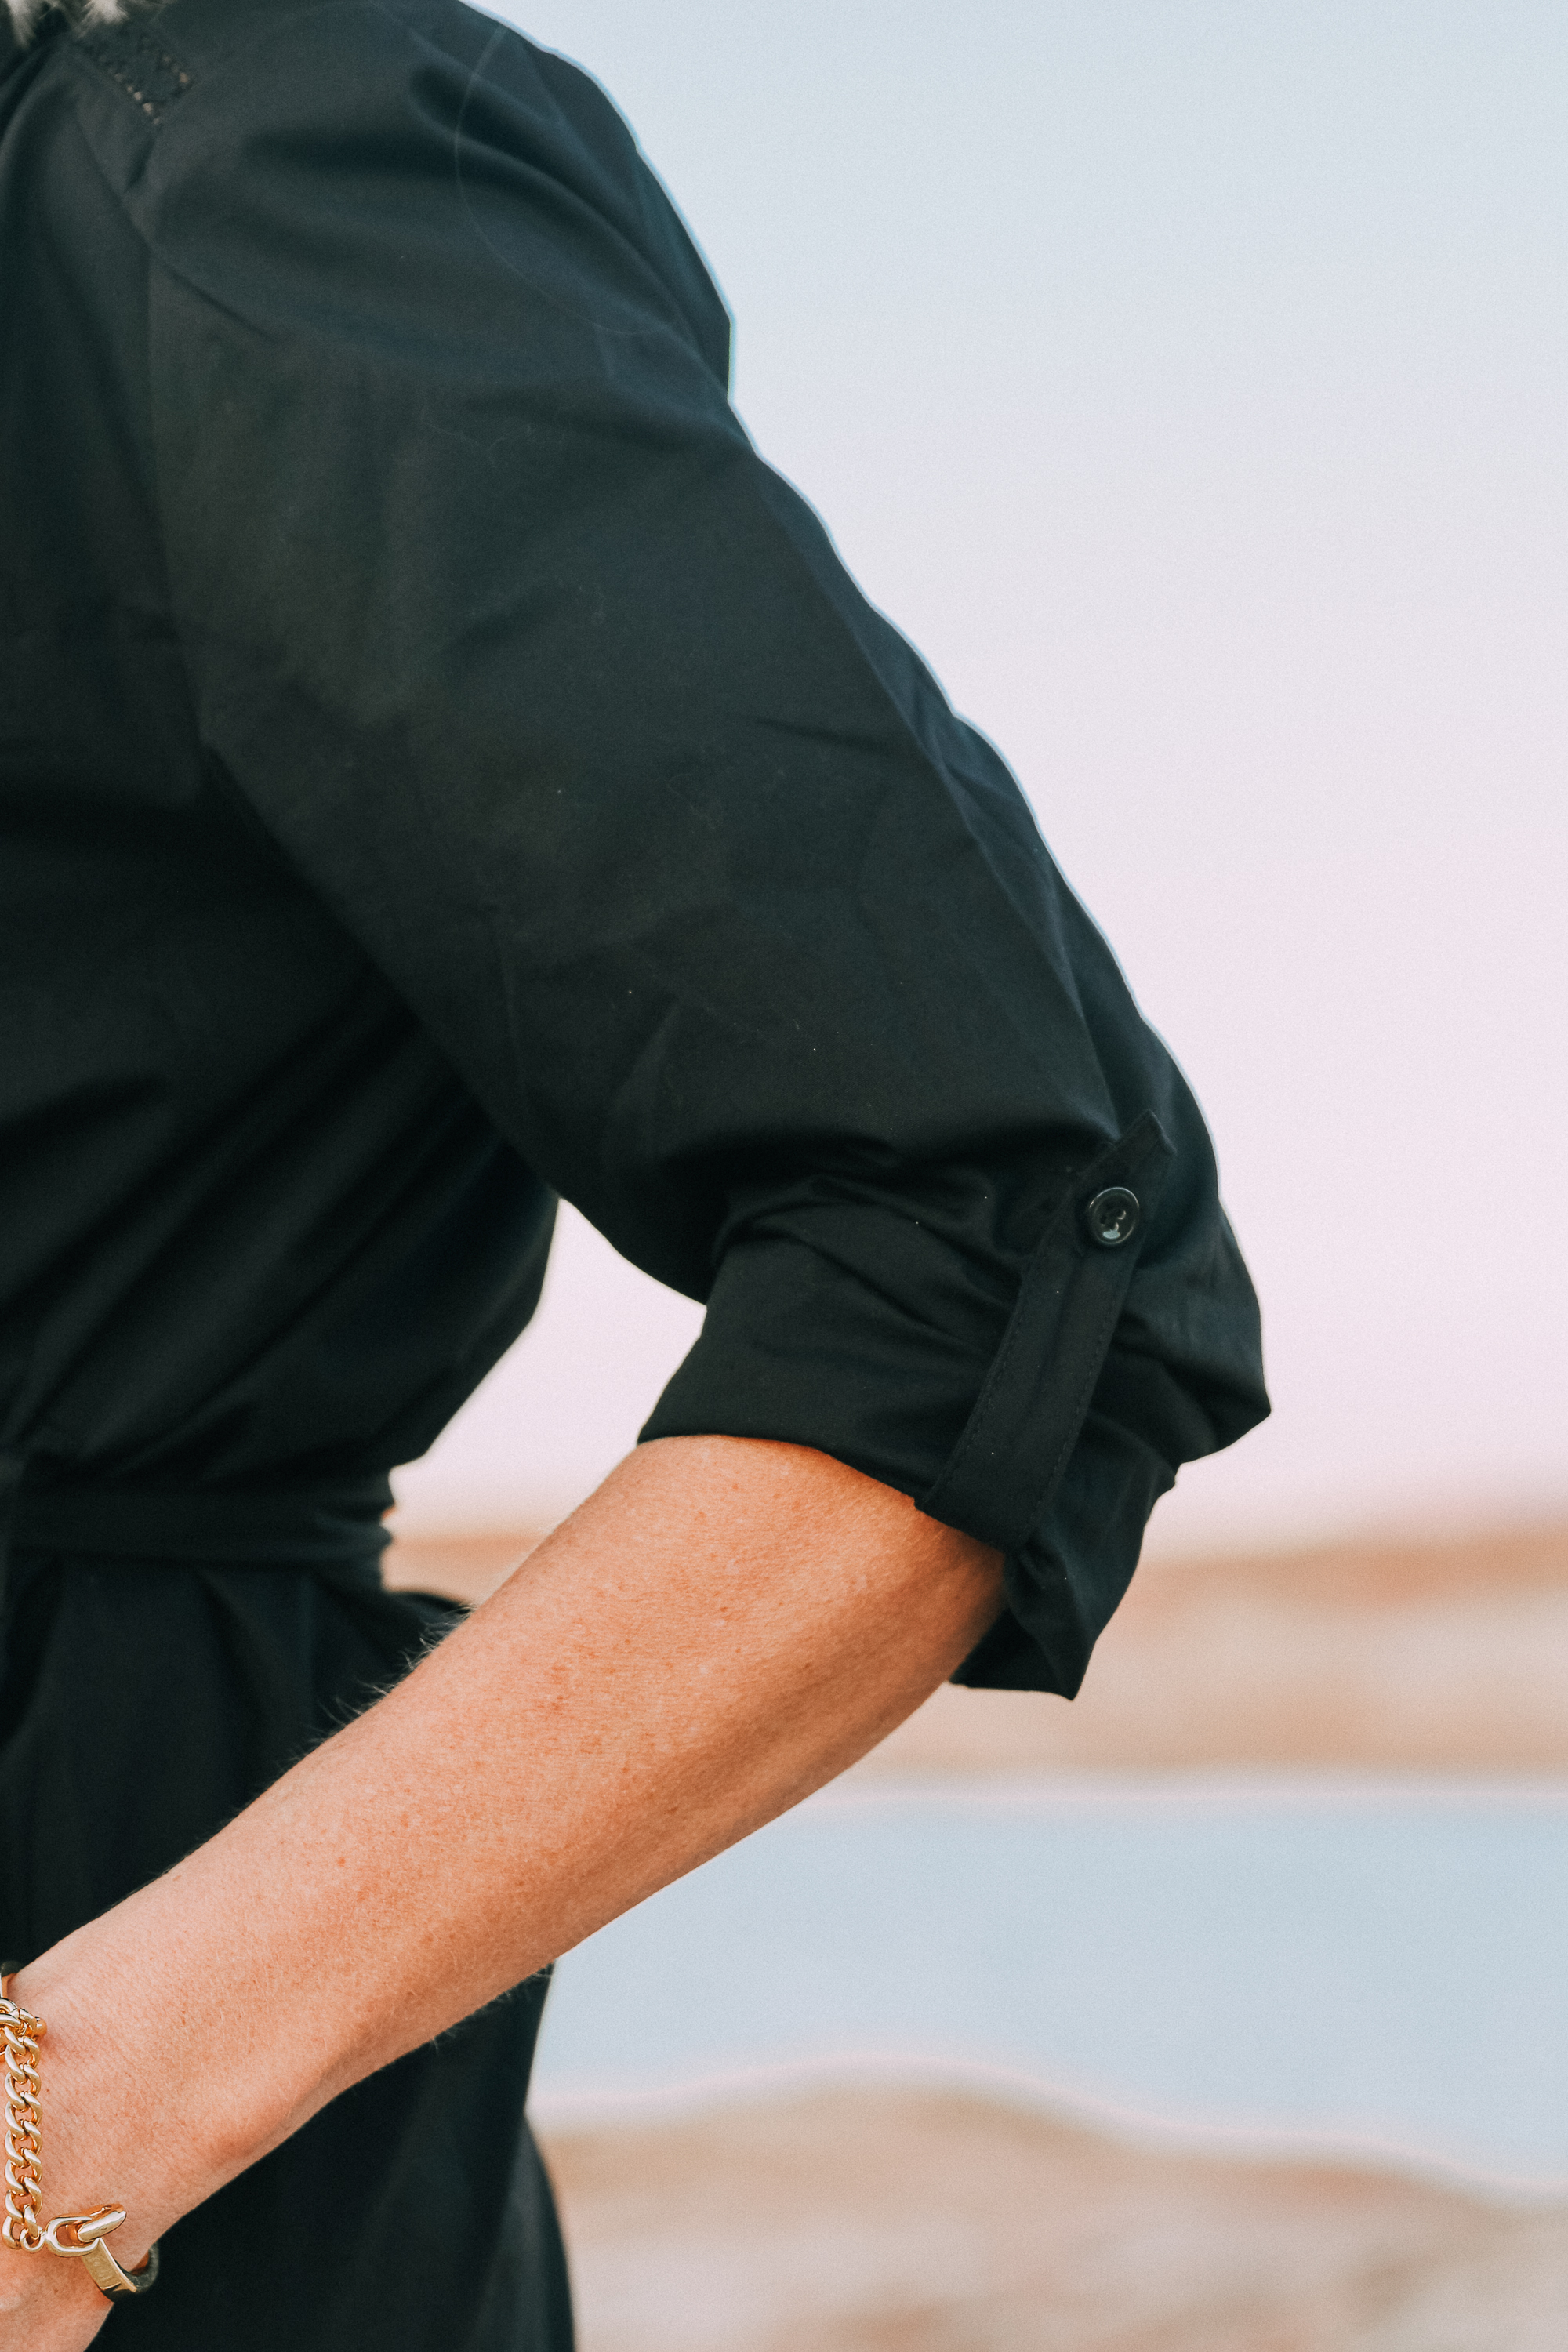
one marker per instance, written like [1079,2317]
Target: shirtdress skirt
[141,1707]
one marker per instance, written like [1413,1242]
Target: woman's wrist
[166,2069]
[49,2296]
[83,2120]
[111,2088]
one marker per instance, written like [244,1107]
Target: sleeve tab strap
[1004,1469]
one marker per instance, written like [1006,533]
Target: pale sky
[1190,382]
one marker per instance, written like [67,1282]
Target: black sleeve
[563,701]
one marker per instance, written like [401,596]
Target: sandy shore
[1401,1657]
[1445,1657]
[881,2222]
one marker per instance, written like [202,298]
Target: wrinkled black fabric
[141,1707]
[443,767]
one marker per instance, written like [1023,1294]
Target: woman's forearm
[720,1629]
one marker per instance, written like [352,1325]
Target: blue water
[1378,1967]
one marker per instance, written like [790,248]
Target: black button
[1113,1216]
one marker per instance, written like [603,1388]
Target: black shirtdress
[443,769]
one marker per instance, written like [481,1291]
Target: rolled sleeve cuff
[1016,1441]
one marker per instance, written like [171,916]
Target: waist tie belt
[333,1526]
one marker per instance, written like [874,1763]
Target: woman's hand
[47,2304]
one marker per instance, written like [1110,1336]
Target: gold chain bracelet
[78,2234]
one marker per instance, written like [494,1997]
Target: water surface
[1376,1966]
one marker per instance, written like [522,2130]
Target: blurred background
[1186,378]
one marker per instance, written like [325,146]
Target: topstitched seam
[139,72]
